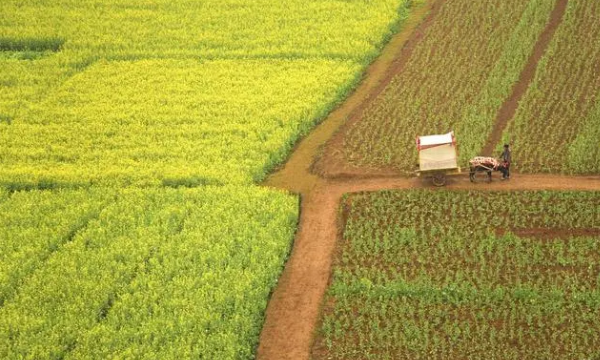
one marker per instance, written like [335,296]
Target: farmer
[506,159]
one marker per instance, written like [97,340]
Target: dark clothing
[505,170]
[506,159]
[506,156]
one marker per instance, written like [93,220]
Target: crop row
[423,322]
[557,126]
[44,221]
[173,273]
[424,274]
[23,83]
[456,78]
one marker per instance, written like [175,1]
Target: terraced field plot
[170,122]
[557,126]
[97,274]
[438,275]
[130,30]
[455,76]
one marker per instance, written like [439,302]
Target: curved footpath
[293,310]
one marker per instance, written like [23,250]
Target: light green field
[465,275]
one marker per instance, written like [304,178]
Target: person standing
[506,159]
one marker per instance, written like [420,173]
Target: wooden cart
[438,157]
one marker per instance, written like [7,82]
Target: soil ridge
[509,108]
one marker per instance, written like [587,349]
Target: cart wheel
[439,179]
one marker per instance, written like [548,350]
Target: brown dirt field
[509,108]
[294,308]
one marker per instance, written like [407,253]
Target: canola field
[170,122]
[155,92]
[458,275]
[139,273]
[132,136]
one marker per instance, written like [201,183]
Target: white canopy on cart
[437,152]
[432,140]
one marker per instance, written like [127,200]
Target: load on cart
[437,157]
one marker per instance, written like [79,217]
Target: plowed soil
[294,308]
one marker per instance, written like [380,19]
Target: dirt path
[509,107]
[330,163]
[293,310]
[296,174]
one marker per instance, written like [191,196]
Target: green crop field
[473,53]
[459,275]
[465,67]
[132,136]
[558,126]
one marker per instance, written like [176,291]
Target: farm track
[509,107]
[327,162]
[294,308]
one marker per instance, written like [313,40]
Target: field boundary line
[294,307]
[509,108]
[518,182]
[297,174]
[326,157]
[68,238]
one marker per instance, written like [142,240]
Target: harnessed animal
[482,163]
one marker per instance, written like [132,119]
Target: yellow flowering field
[171,122]
[132,133]
[133,273]
[208,28]
[173,92]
